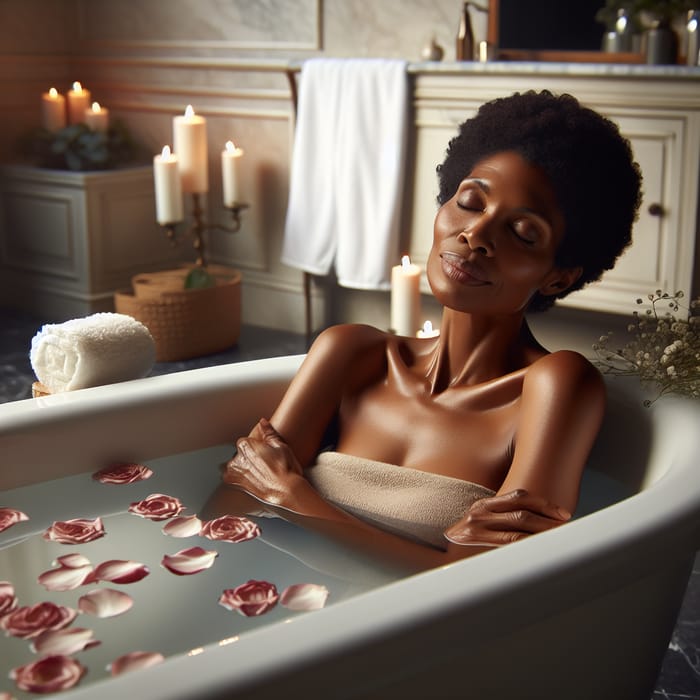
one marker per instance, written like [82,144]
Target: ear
[559,280]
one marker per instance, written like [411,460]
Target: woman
[538,196]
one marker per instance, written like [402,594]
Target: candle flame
[166,152]
[189,112]
[53,92]
[230,147]
[405,262]
[96,107]
[427,327]
[77,87]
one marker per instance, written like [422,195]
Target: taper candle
[97,118]
[230,160]
[53,110]
[190,146]
[166,174]
[405,297]
[78,102]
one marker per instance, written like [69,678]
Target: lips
[462,270]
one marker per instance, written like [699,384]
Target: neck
[473,349]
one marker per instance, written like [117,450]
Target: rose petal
[10,517]
[6,696]
[48,675]
[75,531]
[8,600]
[30,621]
[189,561]
[126,473]
[105,602]
[65,578]
[157,506]
[250,599]
[120,571]
[304,596]
[134,661]
[64,642]
[184,526]
[230,528]
[72,561]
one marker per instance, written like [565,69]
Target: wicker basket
[185,323]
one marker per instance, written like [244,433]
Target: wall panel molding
[102,24]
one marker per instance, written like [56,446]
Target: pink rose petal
[250,599]
[10,517]
[189,561]
[230,528]
[64,642]
[8,600]
[134,661]
[28,621]
[105,602]
[75,531]
[304,596]
[157,506]
[65,578]
[6,696]
[48,675]
[120,571]
[184,526]
[72,561]
[127,473]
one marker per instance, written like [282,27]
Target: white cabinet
[660,116]
[69,240]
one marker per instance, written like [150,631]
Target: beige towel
[408,502]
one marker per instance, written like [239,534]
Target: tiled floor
[680,674]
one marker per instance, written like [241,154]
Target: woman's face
[495,239]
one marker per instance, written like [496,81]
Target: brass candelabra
[199,226]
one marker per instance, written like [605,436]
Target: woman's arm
[562,406]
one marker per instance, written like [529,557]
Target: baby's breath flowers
[664,350]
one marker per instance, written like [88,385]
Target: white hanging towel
[347,174]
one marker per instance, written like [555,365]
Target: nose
[479,239]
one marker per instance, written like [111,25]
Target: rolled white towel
[98,349]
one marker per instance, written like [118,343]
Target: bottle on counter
[465,36]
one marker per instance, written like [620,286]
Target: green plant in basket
[664,350]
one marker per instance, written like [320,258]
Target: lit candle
[78,102]
[230,159]
[97,118]
[53,110]
[190,146]
[405,297]
[166,174]
[428,331]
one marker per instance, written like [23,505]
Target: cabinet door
[660,256]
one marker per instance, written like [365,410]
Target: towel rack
[291,73]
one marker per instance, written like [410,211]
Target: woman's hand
[265,466]
[499,520]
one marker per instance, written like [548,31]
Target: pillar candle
[230,160]
[405,297]
[166,174]
[190,146]
[78,102]
[97,118]
[53,110]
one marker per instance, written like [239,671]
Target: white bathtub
[584,611]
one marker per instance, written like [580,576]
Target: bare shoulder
[344,341]
[565,374]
